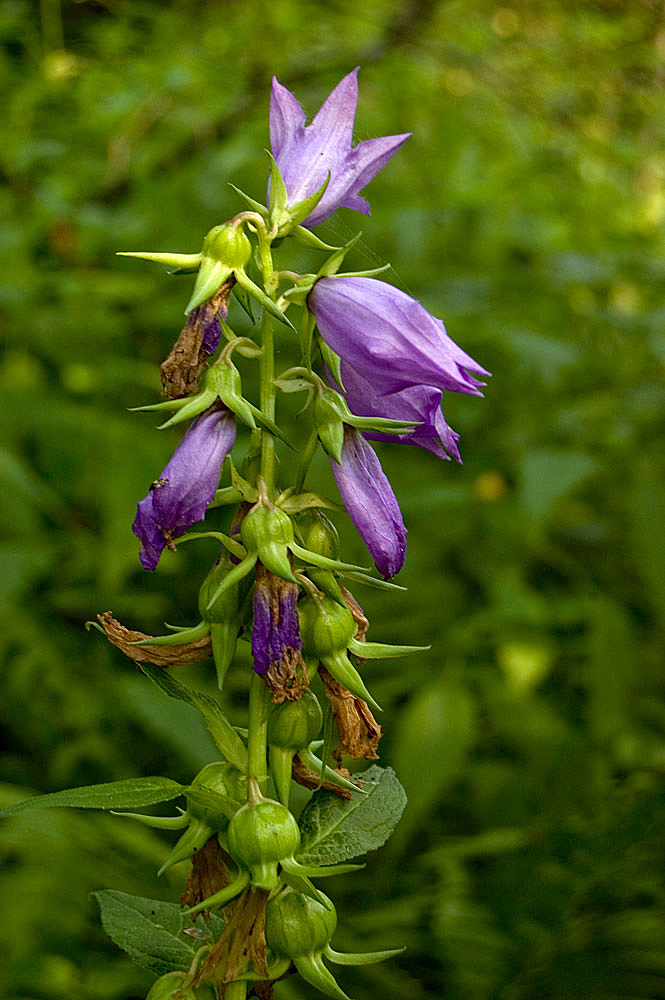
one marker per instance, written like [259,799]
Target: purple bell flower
[305,154]
[389,337]
[180,497]
[371,503]
[420,403]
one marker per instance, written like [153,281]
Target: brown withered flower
[198,340]
[276,642]
[359,732]
[159,656]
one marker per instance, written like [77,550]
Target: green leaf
[334,830]
[127,794]
[155,934]
[219,727]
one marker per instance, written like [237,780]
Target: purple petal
[276,629]
[418,403]
[181,495]
[306,155]
[389,337]
[371,503]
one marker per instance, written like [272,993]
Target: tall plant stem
[235,991]
[268,400]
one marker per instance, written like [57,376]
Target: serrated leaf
[127,794]
[153,932]
[335,830]
[219,727]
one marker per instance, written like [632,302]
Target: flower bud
[260,835]
[325,626]
[171,986]
[268,531]
[297,924]
[319,534]
[291,727]
[225,251]
[294,724]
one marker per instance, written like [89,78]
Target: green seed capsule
[267,531]
[259,836]
[228,246]
[319,534]
[294,724]
[325,626]
[169,986]
[298,925]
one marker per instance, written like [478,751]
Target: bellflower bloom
[305,154]
[389,337]
[371,503]
[180,497]
[420,403]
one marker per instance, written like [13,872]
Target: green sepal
[244,300]
[233,546]
[199,631]
[314,871]
[157,822]
[302,884]
[168,404]
[270,425]
[224,380]
[312,969]
[295,503]
[212,275]
[382,650]
[256,206]
[309,239]
[332,361]
[323,561]
[193,839]
[281,764]
[194,405]
[177,260]
[326,581]
[246,490]
[307,338]
[383,425]
[329,425]
[343,671]
[268,532]
[216,808]
[274,557]
[235,575]
[372,581]
[224,896]
[226,496]
[264,300]
[275,971]
[278,194]
[224,642]
[329,774]
[368,273]
[333,263]
[363,958]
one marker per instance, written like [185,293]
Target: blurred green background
[527,211]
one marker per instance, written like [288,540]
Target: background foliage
[528,211]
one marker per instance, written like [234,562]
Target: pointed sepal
[343,671]
[362,958]
[382,650]
[221,898]
[193,839]
[178,638]
[177,260]
[312,969]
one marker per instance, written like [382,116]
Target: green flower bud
[260,835]
[223,778]
[319,534]
[294,724]
[298,925]
[268,532]
[325,626]
[171,986]
[225,251]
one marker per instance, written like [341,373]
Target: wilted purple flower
[389,337]
[420,403]
[371,503]
[305,154]
[180,497]
[276,642]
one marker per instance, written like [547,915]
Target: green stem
[268,400]
[259,704]
[235,991]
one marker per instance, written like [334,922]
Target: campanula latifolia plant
[374,365]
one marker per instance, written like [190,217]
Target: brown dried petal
[159,656]
[287,678]
[242,941]
[304,776]
[208,875]
[181,371]
[359,732]
[359,617]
